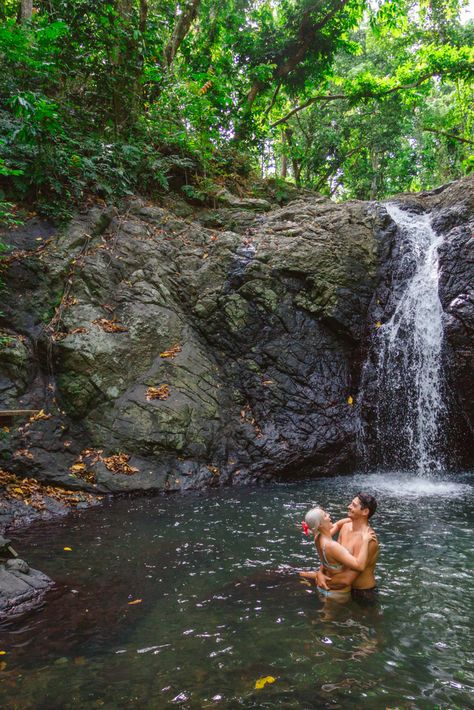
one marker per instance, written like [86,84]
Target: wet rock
[452,210]
[21,587]
[14,367]
[17,565]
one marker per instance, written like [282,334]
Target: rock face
[21,587]
[455,220]
[176,352]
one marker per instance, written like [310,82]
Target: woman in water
[334,557]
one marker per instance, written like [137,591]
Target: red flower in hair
[305,527]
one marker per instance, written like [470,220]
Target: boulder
[21,587]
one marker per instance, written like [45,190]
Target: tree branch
[313,100]
[303,130]
[342,97]
[274,97]
[306,36]
[307,32]
[449,135]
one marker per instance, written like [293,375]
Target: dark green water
[222,605]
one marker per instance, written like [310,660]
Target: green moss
[48,314]
[77,393]
[236,311]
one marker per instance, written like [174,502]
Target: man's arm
[321,579]
[347,576]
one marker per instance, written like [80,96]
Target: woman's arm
[339,553]
[337,526]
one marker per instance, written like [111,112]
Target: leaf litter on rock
[110,326]
[172,352]
[161,392]
[31,492]
[117,463]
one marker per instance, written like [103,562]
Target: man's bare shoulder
[345,531]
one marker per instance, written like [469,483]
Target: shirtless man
[363,584]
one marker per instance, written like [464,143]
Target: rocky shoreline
[23,502]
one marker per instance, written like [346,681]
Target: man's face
[355,511]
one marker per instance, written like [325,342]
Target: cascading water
[409,400]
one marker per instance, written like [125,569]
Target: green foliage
[6,340]
[7,216]
[94,103]
[407,121]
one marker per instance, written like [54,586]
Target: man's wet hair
[367,501]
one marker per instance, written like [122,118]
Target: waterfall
[409,400]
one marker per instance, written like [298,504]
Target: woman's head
[317,519]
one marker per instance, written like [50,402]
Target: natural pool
[222,606]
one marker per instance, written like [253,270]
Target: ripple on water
[222,604]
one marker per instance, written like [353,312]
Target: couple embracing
[348,564]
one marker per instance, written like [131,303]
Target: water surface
[221,604]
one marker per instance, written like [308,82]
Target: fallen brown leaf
[41,415]
[118,463]
[23,453]
[31,492]
[110,326]
[78,468]
[172,352]
[161,392]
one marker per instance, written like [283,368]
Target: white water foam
[403,485]
[409,356]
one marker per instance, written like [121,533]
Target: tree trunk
[143,15]
[374,159]
[284,157]
[181,29]
[127,62]
[305,39]
[26,10]
[297,172]
[257,86]
[295,163]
